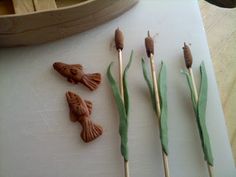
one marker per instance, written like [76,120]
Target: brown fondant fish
[80,110]
[74,74]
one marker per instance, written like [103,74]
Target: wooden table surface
[220,28]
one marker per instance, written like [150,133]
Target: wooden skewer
[154,79]
[119,40]
[120,62]
[126,166]
[190,70]
[150,52]
[188,62]
[210,170]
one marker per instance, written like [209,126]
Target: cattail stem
[158,108]
[120,61]
[166,164]
[154,79]
[210,170]
[126,163]
[194,84]
[126,168]
[119,40]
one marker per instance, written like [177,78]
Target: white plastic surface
[38,140]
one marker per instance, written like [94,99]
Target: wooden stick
[126,167]
[157,98]
[119,40]
[120,60]
[150,53]
[190,70]
[188,62]
[154,80]
[126,163]
[210,170]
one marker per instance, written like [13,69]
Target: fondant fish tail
[91,80]
[90,130]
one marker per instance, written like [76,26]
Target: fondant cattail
[187,56]
[158,95]
[149,44]
[199,101]
[122,98]
[119,39]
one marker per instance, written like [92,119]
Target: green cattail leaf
[202,103]
[123,127]
[164,109]
[126,94]
[149,84]
[194,103]
[163,101]
[200,112]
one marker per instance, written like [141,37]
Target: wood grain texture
[44,26]
[23,6]
[221,34]
[64,3]
[44,4]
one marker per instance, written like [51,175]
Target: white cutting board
[38,140]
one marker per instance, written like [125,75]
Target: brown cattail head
[187,56]
[149,44]
[119,39]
